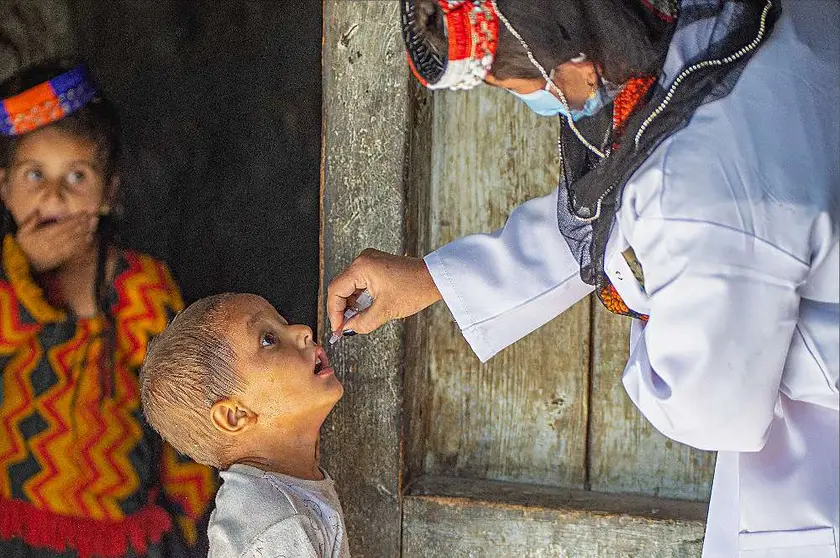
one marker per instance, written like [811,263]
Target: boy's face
[285,373]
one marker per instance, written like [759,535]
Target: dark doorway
[221,107]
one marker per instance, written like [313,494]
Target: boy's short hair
[189,367]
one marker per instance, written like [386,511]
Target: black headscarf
[628,38]
[591,187]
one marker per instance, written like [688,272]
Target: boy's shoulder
[289,537]
[248,506]
[255,497]
[254,507]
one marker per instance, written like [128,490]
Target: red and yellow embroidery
[72,465]
[625,103]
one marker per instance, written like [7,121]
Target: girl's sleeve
[172,301]
[502,286]
[24,310]
[189,488]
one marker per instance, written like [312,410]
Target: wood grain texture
[515,494]
[521,416]
[365,135]
[415,397]
[31,30]
[502,520]
[626,453]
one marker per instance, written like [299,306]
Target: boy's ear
[230,417]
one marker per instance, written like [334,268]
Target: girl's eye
[268,340]
[75,177]
[33,175]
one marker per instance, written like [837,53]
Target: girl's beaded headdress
[472,30]
[46,102]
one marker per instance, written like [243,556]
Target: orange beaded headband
[46,102]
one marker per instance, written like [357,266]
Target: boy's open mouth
[322,363]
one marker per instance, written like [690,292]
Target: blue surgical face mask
[544,103]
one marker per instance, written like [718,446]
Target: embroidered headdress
[472,30]
[629,40]
[46,102]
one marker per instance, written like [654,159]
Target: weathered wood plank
[521,416]
[31,30]
[415,426]
[551,497]
[453,518]
[365,81]
[626,453]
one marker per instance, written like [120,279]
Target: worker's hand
[400,286]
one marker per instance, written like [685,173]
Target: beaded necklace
[625,103]
[629,98]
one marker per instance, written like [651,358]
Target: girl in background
[81,473]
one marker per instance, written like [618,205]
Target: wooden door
[538,452]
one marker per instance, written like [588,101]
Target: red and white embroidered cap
[472,31]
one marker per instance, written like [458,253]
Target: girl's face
[54,173]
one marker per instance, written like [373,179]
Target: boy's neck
[292,452]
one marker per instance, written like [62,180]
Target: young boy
[231,384]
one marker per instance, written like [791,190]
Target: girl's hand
[49,246]
[400,286]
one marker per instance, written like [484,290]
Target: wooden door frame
[366,128]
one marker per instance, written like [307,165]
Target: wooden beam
[452,518]
[365,131]
[416,426]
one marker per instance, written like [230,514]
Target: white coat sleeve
[504,285]
[707,367]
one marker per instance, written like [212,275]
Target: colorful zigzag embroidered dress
[81,473]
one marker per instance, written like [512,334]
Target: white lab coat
[734,220]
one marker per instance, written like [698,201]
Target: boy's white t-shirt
[268,515]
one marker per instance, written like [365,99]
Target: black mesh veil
[590,187]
